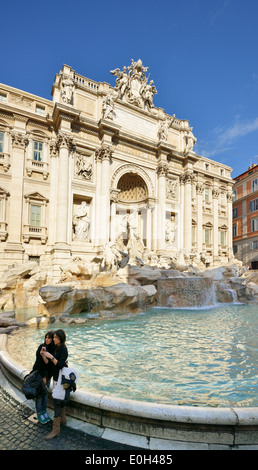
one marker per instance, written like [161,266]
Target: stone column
[14,250]
[229,234]
[104,155]
[199,193]
[162,170]
[113,221]
[215,197]
[181,216]
[148,228]
[98,198]
[65,146]
[188,211]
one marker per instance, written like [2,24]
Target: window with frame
[234,195]
[1,142]
[223,237]
[254,225]
[35,215]
[37,151]
[254,245]
[3,98]
[207,236]
[40,110]
[235,212]
[206,194]
[234,230]
[253,205]
[255,184]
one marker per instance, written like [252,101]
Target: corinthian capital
[229,197]
[105,152]
[19,140]
[189,177]
[199,188]
[215,193]
[65,140]
[162,169]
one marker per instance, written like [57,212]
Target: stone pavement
[20,431]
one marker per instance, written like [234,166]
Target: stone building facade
[245,217]
[100,166]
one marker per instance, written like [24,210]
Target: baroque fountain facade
[107,208]
[101,173]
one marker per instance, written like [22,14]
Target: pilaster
[215,196]
[103,157]
[199,194]
[14,250]
[162,171]
[188,178]
[229,213]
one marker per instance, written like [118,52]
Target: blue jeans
[41,403]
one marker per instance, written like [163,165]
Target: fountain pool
[202,357]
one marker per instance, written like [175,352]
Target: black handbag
[33,385]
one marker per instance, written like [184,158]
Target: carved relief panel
[172,188]
[83,168]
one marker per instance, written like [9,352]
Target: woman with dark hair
[59,360]
[44,367]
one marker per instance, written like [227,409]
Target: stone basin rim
[235,416]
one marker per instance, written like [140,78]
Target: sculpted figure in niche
[81,222]
[67,90]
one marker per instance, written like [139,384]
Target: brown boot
[56,429]
[63,417]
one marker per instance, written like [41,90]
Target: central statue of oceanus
[133,86]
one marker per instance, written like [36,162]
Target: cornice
[64,112]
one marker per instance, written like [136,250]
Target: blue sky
[202,56]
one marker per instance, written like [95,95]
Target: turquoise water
[202,357]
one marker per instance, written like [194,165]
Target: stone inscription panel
[136,124]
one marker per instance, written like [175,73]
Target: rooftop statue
[67,89]
[133,86]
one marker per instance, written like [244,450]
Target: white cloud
[223,138]
[239,129]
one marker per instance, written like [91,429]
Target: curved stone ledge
[151,425]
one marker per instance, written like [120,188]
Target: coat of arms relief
[133,86]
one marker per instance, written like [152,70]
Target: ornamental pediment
[36,196]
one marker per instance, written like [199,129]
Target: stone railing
[5,161]
[38,167]
[85,82]
[3,231]
[31,231]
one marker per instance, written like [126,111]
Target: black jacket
[45,370]
[61,354]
